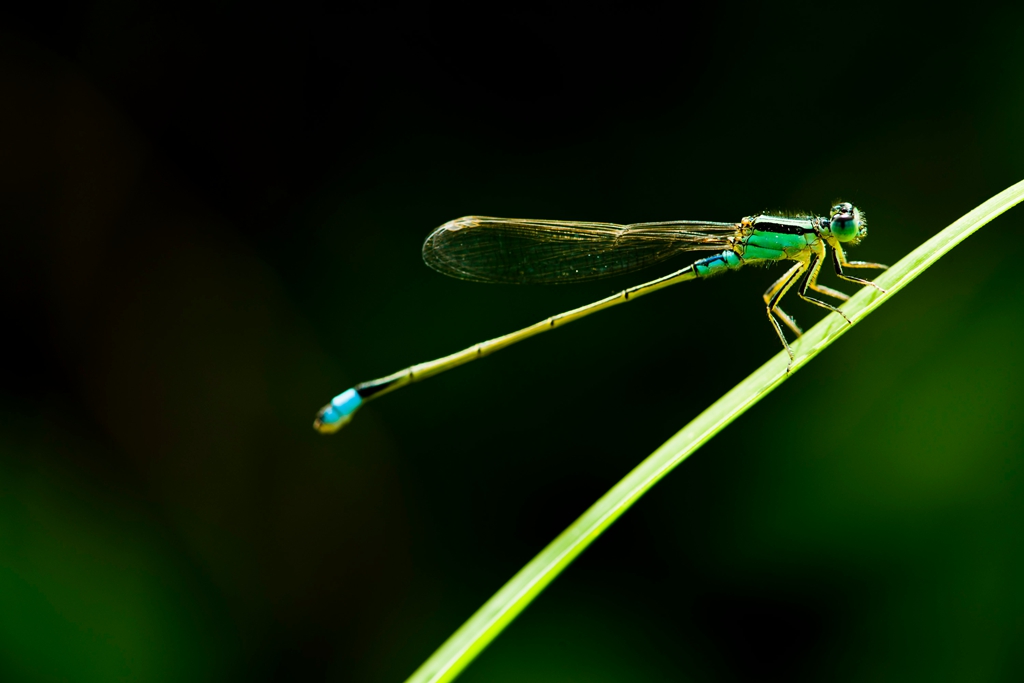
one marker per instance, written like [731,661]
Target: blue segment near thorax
[719,263]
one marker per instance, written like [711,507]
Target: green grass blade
[473,636]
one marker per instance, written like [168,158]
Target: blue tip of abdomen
[338,412]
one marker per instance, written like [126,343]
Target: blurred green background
[212,215]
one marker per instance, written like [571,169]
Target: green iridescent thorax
[776,238]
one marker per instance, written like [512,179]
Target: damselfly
[518,251]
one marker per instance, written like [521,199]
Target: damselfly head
[847,223]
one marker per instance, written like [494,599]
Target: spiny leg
[828,291]
[839,260]
[811,279]
[793,274]
[771,291]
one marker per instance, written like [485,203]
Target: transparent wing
[522,251]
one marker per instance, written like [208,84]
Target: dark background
[212,215]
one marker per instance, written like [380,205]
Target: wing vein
[520,251]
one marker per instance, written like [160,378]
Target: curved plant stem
[474,635]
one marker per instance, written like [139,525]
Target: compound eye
[843,210]
[846,223]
